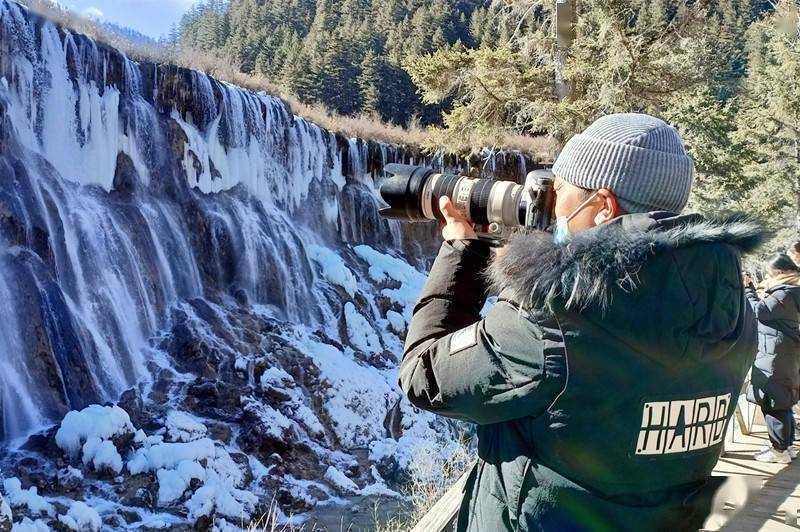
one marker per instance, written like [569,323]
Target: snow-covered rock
[223,499]
[396,321]
[26,498]
[383,267]
[82,518]
[378,487]
[358,397]
[181,427]
[6,516]
[94,421]
[360,333]
[29,525]
[271,422]
[340,481]
[89,433]
[169,455]
[275,377]
[333,268]
[172,483]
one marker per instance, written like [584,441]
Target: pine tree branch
[486,89]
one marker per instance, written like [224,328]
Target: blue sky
[151,17]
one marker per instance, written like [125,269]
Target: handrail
[443,514]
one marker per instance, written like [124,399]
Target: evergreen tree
[628,55]
[334,37]
[769,117]
[369,83]
[726,72]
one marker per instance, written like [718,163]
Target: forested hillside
[726,72]
[348,54]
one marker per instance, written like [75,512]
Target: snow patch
[173,483]
[333,268]
[221,499]
[340,480]
[360,333]
[358,397]
[169,455]
[177,464]
[378,487]
[306,417]
[275,377]
[74,472]
[102,454]
[383,267]
[89,431]
[381,449]
[396,321]
[29,498]
[221,493]
[26,525]
[81,517]
[181,427]
[273,421]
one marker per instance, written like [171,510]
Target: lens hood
[403,191]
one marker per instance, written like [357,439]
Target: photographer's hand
[456,226]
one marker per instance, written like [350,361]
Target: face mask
[561,228]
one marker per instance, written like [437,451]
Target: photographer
[603,378]
[775,379]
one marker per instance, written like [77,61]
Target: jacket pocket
[522,493]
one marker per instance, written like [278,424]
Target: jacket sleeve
[459,365]
[771,308]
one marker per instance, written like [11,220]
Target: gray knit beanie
[638,157]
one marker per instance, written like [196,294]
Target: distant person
[603,378]
[794,253]
[775,376]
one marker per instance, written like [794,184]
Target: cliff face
[196,244]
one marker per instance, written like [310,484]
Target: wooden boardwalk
[759,496]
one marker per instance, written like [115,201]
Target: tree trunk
[565,34]
[797,188]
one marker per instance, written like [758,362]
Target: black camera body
[497,208]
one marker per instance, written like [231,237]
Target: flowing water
[127,188]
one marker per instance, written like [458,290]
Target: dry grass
[542,148]
[269,523]
[431,476]
[362,126]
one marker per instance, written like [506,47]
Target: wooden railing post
[442,515]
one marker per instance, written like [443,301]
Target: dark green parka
[603,378]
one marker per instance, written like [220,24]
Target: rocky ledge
[246,417]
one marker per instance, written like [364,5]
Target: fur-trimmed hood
[537,273]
